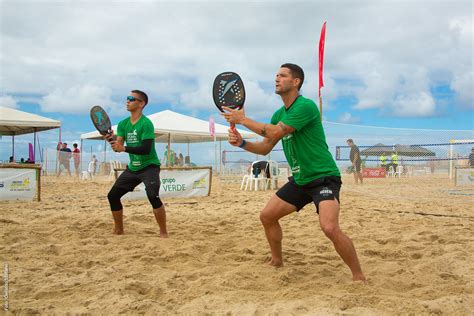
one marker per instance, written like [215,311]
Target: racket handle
[232,127]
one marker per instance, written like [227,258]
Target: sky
[401,64]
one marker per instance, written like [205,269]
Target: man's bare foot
[359,278]
[118,231]
[274,263]
[164,235]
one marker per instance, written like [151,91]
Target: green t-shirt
[305,149]
[133,134]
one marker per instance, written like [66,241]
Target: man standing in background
[356,161]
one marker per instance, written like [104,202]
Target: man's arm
[271,133]
[269,141]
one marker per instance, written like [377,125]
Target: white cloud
[417,104]
[78,99]
[348,118]
[463,85]
[8,101]
[173,50]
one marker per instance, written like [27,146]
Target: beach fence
[419,154]
[401,158]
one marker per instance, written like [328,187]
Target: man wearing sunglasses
[316,178]
[138,133]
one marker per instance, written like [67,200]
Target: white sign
[17,184]
[177,183]
[464,176]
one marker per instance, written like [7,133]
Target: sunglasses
[131,99]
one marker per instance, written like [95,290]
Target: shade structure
[14,122]
[413,151]
[401,150]
[181,128]
[377,150]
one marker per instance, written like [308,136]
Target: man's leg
[151,179]
[118,222]
[329,221]
[356,176]
[359,174]
[160,216]
[116,207]
[275,209]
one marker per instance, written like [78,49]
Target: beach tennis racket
[228,90]
[101,120]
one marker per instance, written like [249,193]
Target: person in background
[169,163]
[383,161]
[76,155]
[356,161]
[94,165]
[471,158]
[181,160]
[394,161]
[174,160]
[11,160]
[64,157]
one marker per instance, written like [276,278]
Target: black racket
[228,90]
[101,120]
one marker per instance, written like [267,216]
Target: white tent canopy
[181,128]
[14,122]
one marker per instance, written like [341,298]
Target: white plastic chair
[391,171]
[113,165]
[272,182]
[89,174]
[398,171]
[409,171]
[251,181]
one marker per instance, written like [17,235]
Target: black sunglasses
[132,98]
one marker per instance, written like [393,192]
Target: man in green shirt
[316,177]
[137,132]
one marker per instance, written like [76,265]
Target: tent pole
[80,156]
[13,147]
[57,151]
[34,145]
[220,157]
[169,150]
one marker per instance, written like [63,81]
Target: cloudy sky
[387,63]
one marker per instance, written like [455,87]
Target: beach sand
[63,257]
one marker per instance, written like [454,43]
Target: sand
[415,243]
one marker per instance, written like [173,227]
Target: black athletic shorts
[150,176]
[322,189]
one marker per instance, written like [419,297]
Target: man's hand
[110,137]
[233,116]
[117,147]
[235,139]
